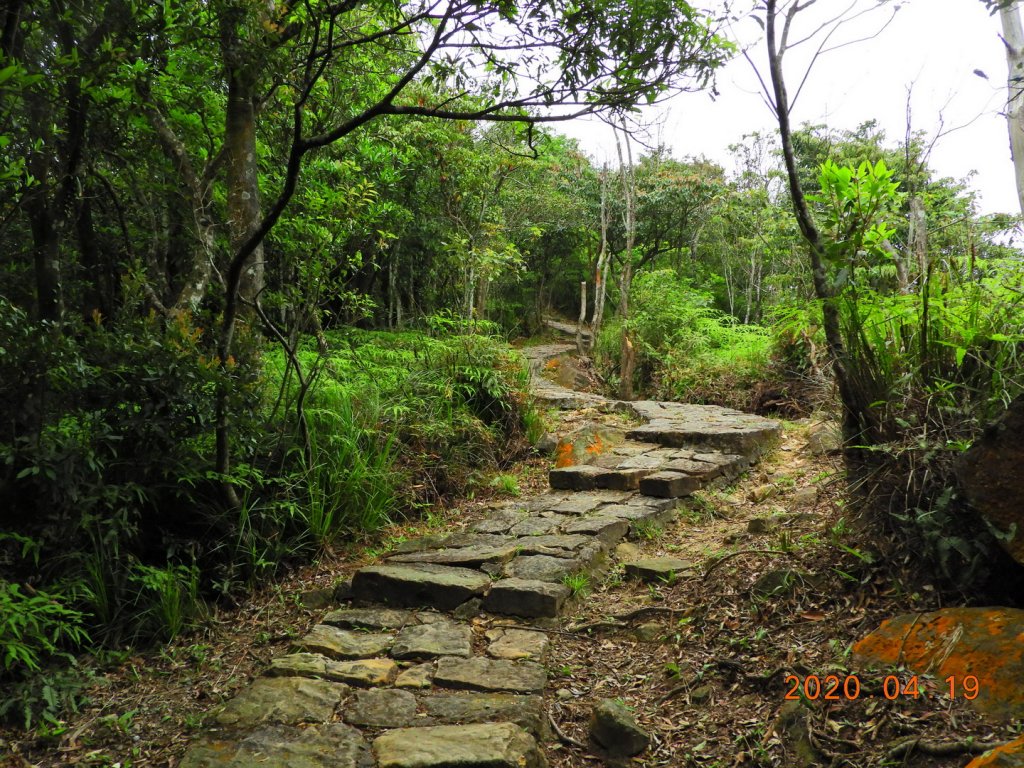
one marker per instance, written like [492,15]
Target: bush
[686,349]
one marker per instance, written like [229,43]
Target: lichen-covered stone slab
[429,641]
[335,643]
[365,672]
[481,674]
[488,745]
[541,568]
[657,569]
[412,584]
[670,485]
[452,708]
[526,598]
[381,708]
[282,701]
[415,677]
[513,644]
[368,618]
[981,642]
[463,557]
[334,745]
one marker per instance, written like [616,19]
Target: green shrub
[686,349]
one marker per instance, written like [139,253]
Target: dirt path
[439,660]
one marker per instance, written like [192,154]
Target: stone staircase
[438,661]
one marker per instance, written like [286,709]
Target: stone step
[490,745]
[679,425]
[418,584]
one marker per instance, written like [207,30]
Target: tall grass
[395,420]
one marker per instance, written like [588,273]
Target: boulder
[586,444]
[1009,755]
[983,643]
[989,473]
[613,728]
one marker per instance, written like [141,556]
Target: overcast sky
[936,45]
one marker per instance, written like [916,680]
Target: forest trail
[441,659]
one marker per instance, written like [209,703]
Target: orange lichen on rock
[960,642]
[596,447]
[1010,755]
[552,364]
[565,454]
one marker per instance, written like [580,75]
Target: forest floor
[782,584]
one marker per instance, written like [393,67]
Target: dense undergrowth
[686,348]
[113,530]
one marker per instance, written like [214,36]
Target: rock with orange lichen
[587,445]
[1010,755]
[986,644]
[989,475]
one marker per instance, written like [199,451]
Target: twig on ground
[563,736]
[731,555]
[941,748]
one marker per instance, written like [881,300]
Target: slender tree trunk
[627,353]
[1013,40]
[603,258]
[240,145]
[859,421]
[580,350]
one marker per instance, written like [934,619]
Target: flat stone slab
[368,618]
[463,708]
[530,545]
[541,568]
[335,643]
[282,701]
[670,485]
[381,708]
[499,521]
[416,677]
[487,745]
[513,644]
[429,641]
[411,584]
[579,477]
[609,530]
[464,557]
[721,429]
[536,526]
[365,672]
[527,598]
[656,568]
[480,674]
[333,745]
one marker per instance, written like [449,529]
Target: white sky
[935,44]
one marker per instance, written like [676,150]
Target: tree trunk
[1013,40]
[580,350]
[240,145]
[603,258]
[627,353]
[859,422]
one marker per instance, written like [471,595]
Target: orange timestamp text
[848,687]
